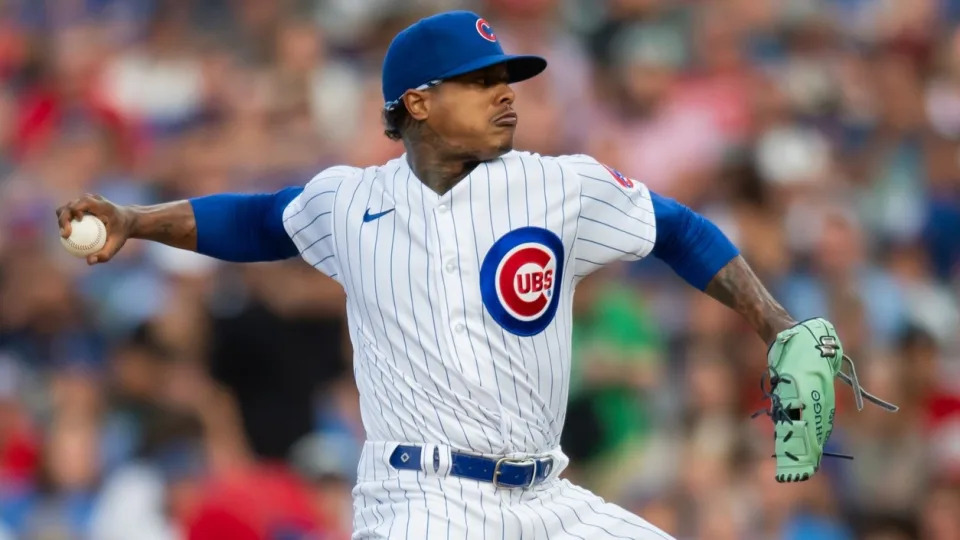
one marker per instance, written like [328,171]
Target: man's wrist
[774,326]
[130,217]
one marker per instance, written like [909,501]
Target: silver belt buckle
[512,461]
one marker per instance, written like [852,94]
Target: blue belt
[503,472]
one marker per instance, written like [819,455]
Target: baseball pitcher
[459,260]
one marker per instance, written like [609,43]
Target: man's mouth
[507,119]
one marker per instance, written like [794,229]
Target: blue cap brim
[519,67]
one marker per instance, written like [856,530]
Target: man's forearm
[737,287]
[171,223]
[229,226]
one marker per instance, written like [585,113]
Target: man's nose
[506,95]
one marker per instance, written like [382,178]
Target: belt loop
[425,451]
[437,459]
[560,462]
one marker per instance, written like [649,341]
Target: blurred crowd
[165,395]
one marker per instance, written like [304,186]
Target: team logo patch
[619,177]
[520,280]
[485,30]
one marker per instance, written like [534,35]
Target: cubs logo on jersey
[520,280]
[485,31]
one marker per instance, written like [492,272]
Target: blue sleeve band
[244,228]
[690,244]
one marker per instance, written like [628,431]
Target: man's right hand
[118,219]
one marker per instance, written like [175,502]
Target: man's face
[473,114]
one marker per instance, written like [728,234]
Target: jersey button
[451,267]
[459,328]
[442,209]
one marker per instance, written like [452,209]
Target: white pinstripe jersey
[460,305]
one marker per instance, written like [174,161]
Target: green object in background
[615,329]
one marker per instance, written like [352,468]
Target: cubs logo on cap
[520,280]
[485,31]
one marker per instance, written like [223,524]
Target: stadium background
[164,394]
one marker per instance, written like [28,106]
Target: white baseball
[87,236]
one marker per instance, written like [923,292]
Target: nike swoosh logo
[368,217]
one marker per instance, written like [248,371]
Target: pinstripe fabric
[426,504]
[445,349]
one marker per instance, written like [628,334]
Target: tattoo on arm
[171,223]
[737,287]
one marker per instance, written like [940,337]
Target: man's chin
[495,149]
[504,147]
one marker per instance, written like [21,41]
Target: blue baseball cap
[444,46]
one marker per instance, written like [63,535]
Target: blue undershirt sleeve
[690,244]
[244,228]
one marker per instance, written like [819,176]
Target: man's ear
[418,104]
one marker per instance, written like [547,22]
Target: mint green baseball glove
[803,362]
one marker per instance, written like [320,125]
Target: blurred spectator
[616,360]
[257,502]
[61,501]
[152,491]
[276,350]
[841,280]
[160,81]
[19,447]
[647,132]
[328,462]
[62,99]
[895,441]
[939,516]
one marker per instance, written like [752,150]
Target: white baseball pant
[429,504]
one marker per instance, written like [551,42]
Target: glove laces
[778,413]
[860,392]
